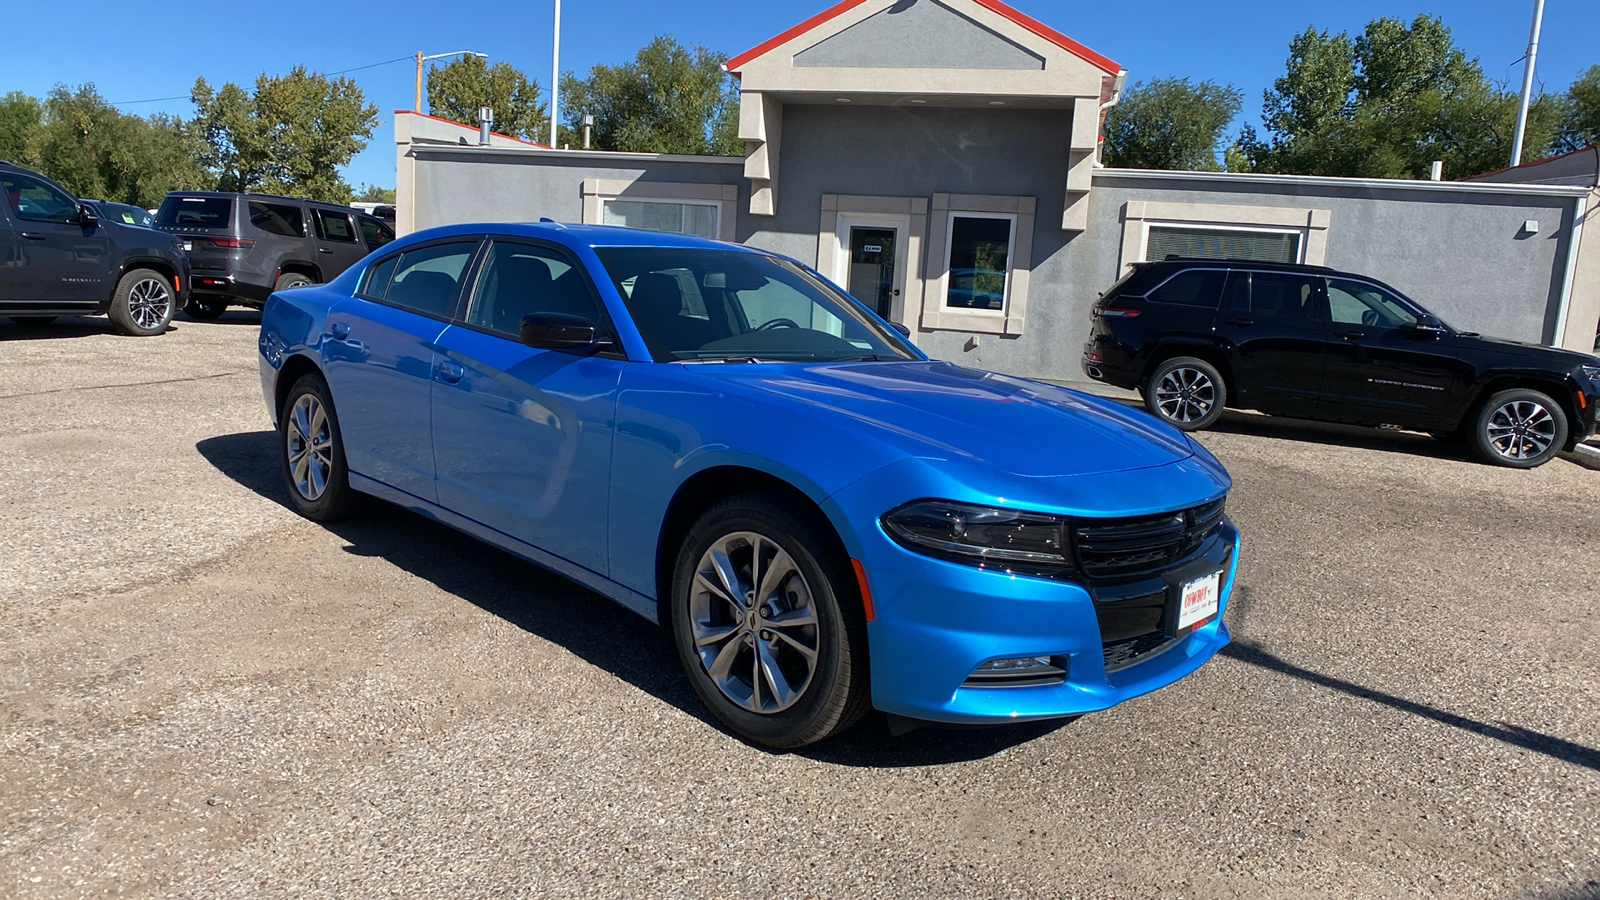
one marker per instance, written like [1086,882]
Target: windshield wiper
[727,360]
[865,357]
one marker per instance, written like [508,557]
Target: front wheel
[1186,392]
[1519,428]
[143,303]
[768,623]
[312,452]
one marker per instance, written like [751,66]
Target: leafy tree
[1580,114]
[670,99]
[95,150]
[1170,124]
[1386,104]
[290,136]
[20,119]
[455,92]
[371,193]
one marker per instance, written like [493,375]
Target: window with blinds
[1219,243]
[697,219]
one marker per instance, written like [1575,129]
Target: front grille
[1124,653]
[1107,548]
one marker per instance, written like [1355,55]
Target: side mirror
[904,331]
[86,217]
[559,331]
[1428,331]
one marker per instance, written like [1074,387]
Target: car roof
[1189,262]
[250,195]
[579,235]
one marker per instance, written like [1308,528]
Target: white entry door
[870,261]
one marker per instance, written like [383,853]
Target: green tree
[455,92]
[1386,104]
[95,150]
[20,119]
[670,99]
[289,136]
[371,193]
[1580,113]
[1170,124]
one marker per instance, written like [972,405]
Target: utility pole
[416,103]
[555,75]
[1527,82]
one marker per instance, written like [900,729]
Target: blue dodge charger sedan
[721,440]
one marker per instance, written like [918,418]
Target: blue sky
[1243,42]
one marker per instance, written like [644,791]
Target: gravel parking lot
[206,696]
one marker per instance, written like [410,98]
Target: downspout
[1565,303]
[1116,97]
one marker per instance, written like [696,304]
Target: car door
[1381,367]
[522,436]
[373,232]
[61,264]
[338,247]
[1277,339]
[379,357]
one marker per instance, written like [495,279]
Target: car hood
[1550,356]
[938,410]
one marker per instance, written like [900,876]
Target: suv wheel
[143,303]
[312,452]
[1519,428]
[291,280]
[767,624]
[1186,393]
[205,310]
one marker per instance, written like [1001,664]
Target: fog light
[1020,662]
[1018,671]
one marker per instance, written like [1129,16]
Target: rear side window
[1197,288]
[278,218]
[1283,296]
[196,212]
[334,226]
[377,279]
[425,279]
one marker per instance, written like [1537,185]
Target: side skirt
[628,598]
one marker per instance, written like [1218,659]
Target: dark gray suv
[243,247]
[60,257]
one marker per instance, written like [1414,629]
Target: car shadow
[235,315]
[63,327]
[597,630]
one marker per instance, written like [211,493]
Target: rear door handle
[340,330]
[449,372]
[1243,323]
[33,235]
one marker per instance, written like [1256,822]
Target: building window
[1199,242]
[674,216]
[978,257]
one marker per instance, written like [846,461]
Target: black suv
[1195,336]
[245,246]
[58,257]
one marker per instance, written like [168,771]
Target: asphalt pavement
[204,695]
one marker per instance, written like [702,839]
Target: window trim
[1019,263]
[1299,233]
[1138,215]
[725,197]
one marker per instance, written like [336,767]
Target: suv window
[334,226]
[200,212]
[1196,288]
[519,280]
[1359,303]
[278,218]
[374,232]
[31,198]
[425,279]
[1284,296]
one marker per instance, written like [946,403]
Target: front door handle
[323,250]
[340,330]
[33,235]
[449,372]
[1242,323]
[1352,335]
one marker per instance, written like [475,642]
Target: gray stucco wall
[919,34]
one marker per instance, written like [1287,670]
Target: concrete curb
[1586,455]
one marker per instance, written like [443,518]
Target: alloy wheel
[149,303]
[1521,429]
[310,447]
[754,621]
[1186,395]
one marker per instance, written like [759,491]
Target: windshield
[694,304]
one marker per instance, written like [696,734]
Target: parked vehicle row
[1196,336]
[200,252]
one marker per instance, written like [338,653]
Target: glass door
[870,276]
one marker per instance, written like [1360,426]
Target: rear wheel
[143,303]
[205,309]
[1186,392]
[1520,428]
[768,623]
[291,280]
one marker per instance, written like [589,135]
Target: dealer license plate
[1199,601]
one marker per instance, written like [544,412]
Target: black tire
[143,303]
[335,499]
[834,692]
[1186,393]
[1520,428]
[205,309]
[288,281]
[33,321]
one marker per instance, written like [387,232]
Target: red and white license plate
[1199,601]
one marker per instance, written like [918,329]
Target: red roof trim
[412,112]
[1535,162]
[995,6]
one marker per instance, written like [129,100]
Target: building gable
[919,34]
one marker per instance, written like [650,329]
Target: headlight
[979,534]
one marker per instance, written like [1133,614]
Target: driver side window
[1359,303]
[32,199]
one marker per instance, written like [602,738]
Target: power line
[387,62]
[151,100]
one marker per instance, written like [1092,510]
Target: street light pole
[416,104]
[555,76]
[1527,82]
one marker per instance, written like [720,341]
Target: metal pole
[555,75]
[1527,82]
[416,106]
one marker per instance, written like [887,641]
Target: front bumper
[936,621]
